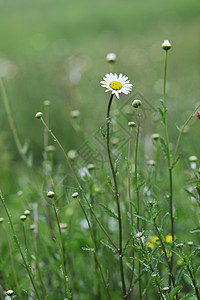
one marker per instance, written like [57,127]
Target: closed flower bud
[50,194]
[136,103]
[50,148]
[111,57]
[27,212]
[91,167]
[1,220]
[193,158]
[151,162]
[75,114]
[75,195]
[10,292]
[39,115]
[131,124]
[155,136]
[23,218]
[47,103]
[166,45]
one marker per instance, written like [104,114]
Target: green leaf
[190,193]
[117,162]
[175,291]
[164,147]
[88,249]
[108,211]
[142,218]
[140,185]
[161,113]
[195,230]
[108,245]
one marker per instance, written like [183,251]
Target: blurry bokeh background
[55,50]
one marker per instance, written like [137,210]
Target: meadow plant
[120,236]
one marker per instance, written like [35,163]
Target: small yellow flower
[155,240]
[179,262]
[169,238]
[149,245]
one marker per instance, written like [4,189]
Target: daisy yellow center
[115,85]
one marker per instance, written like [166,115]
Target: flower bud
[151,162]
[91,167]
[10,292]
[72,154]
[50,194]
[75,114]
[23,218]
[75,195]
[50,148]
[27,212]
[192,158]
[131,124]
[1,220]
[136,103]
[155,136]
[39,115]
[47,103]
[166,45]
[111,57]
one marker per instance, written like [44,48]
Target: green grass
[45,41]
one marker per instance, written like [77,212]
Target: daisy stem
[116,196]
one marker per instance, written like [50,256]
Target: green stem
[169,165]
[116,196]
[62,252]
[131,213]
[79,186]
[138,194]
[166,257]
[12,263]
[28,269]
[95,251]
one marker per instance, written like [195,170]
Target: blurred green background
[56,50]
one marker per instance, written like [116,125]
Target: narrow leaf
[108,211]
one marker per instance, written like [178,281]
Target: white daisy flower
[116,84]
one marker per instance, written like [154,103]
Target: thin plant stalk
[116,196]
[12,263]
[61,249]
[169,165]
[95,251]
[138,193]
[131,213]
[28,269]
[166,257]
[78,184]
